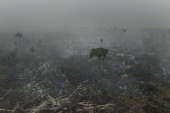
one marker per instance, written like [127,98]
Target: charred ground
[42,75]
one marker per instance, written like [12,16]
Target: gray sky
[93,13]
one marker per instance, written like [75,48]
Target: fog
[77,56]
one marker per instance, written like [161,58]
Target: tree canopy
[99,52]
[19,35]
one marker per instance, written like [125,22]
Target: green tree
[101,40]
[19,35]
[100,53]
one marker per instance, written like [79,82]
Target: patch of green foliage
[99,52]
[19,35]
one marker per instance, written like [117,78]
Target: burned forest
[84,56]
[44,74]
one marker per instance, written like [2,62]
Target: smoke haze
[29,14]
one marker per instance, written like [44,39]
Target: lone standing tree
[101,40]
[19,35]
[100,53]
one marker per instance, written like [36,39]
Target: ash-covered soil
[56,78]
